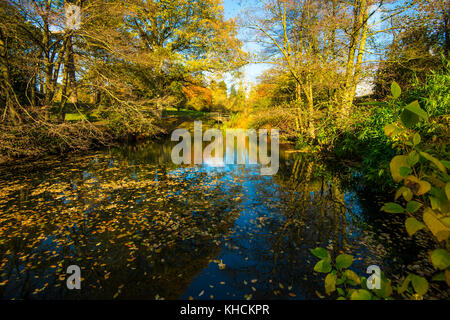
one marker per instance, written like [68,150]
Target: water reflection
[141,227]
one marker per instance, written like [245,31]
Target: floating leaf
[319,294]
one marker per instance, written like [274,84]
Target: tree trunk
[71,71]
[357,42]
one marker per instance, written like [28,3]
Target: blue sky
[232,9]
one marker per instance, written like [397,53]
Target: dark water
[141,227]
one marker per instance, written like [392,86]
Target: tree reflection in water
[141,227]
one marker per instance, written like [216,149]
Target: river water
[139,226]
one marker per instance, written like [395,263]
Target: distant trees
[420,41]
[322,50]
[127,53]
[125,63]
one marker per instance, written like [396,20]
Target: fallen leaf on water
[221,265]
[319,295]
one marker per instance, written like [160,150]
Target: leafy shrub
[425,196]
[280,117]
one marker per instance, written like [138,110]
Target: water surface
[141,227]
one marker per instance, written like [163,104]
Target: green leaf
[416,139]
[447,190]
[385,287]
[446,221]
[361,294]
[439,277]
[405,284]
[446,163]
[405,171]
[436,226]
[409,119]
[414,107]
[413,225]
[392,207]
[420,284]
[424,187]
[405,192]
[434,160]
[330,283]
[435,203]
[352,276]
[389,129]
[413,206]
[322,266]
[420,186]
[343,261]
[440,259]
[396,163]
[395,90]
[320,253]
[413,158]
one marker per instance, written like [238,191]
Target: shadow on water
[141,227]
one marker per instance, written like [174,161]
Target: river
[141,227]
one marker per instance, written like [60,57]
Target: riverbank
[40,139]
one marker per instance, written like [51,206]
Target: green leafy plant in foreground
[425,190]
[348,285]
[345,282]
[425,193]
